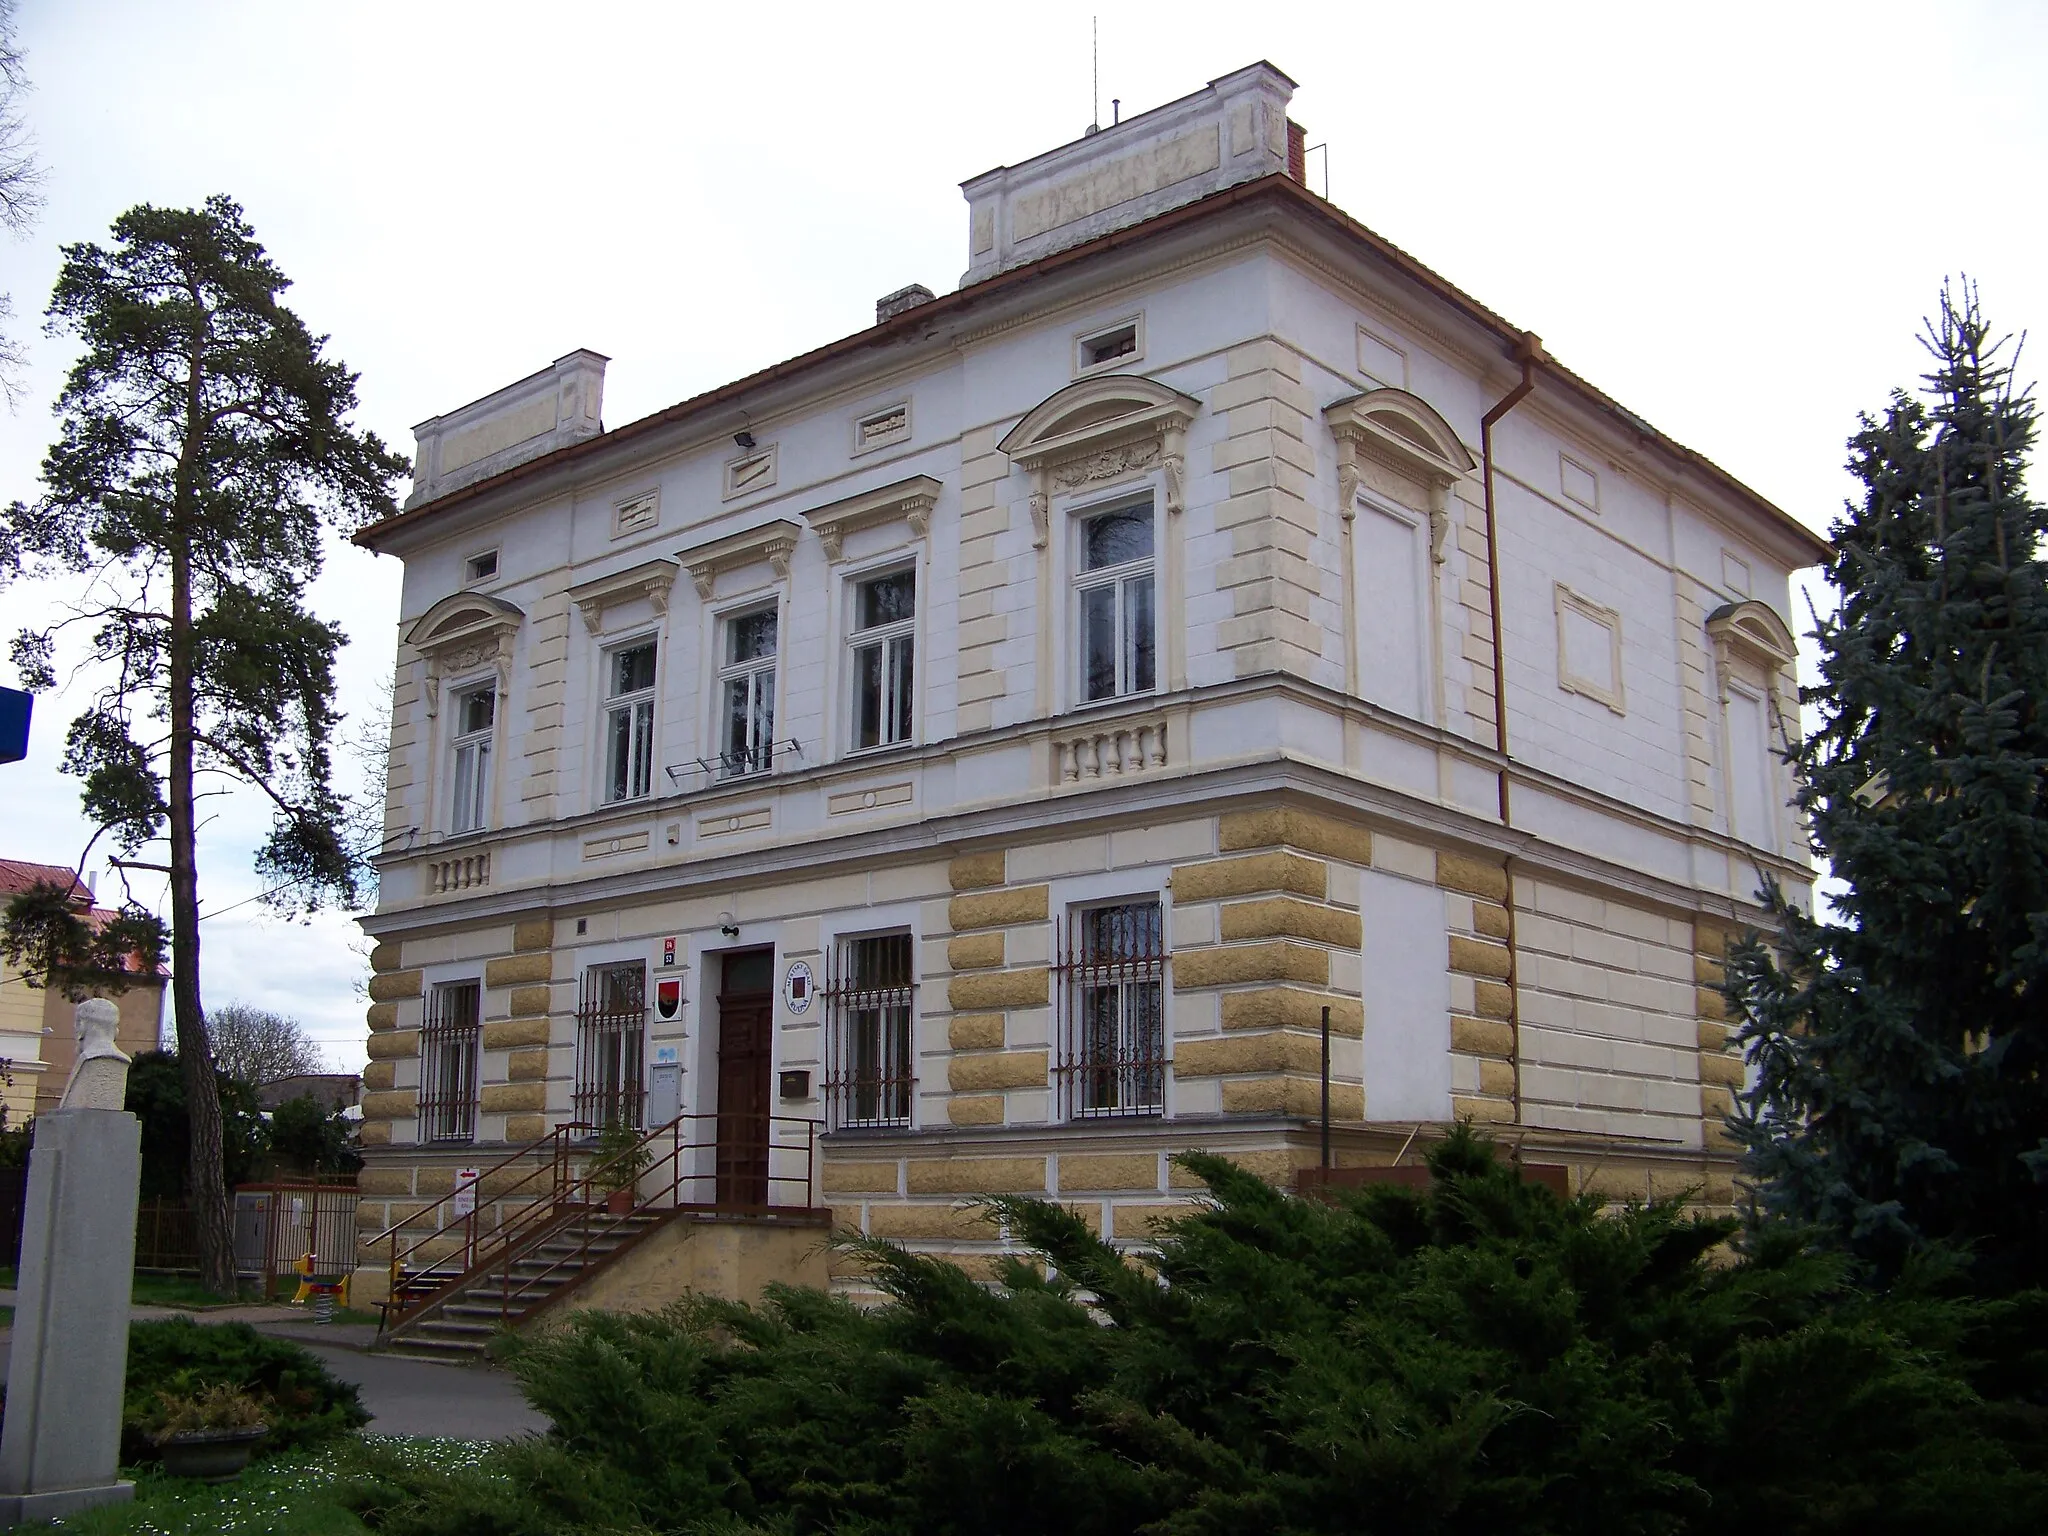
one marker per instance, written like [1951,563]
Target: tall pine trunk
[205,1174]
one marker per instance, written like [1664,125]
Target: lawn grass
[301,1494]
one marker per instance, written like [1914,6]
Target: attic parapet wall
[560,405]
[1232,131]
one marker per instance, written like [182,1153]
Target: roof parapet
[1232,131]
[561,404]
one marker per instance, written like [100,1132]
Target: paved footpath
[403,1396]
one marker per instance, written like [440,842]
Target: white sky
[1729,217]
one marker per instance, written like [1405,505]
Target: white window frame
[642,705]
[472,577]
[842,1036]
[885,636]
[478,746]
[1135,323]
[1071,976]
[760,752]
[1082,581]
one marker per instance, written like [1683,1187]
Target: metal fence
[278,1224]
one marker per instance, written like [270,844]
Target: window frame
[885,636]
[1139,1079]
[611,1048]
[724,672]
[451,1063]
[1135,323]
[1081,581]
[894,1002]
[635,700]
[484,742]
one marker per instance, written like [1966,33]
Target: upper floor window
[629,722]
[746,685]
[1112,1002]
[884,647]
[1113,590]
[475,714]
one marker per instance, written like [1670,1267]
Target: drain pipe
[1530,354]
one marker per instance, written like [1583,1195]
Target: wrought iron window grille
[1109,996]
[451,1043]
[611,1046]
[869,994]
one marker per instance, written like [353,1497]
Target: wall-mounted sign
[670,948]
[464,1203]
[15,709]
[797,985]
[668,996]
[664,1056]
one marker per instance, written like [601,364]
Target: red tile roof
[18,875]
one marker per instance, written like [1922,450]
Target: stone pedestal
[61,1445]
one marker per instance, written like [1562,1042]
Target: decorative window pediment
[773,542]
[910,500]
[1099,431]
[650,579]
[1750,631]
[462,633]
[1406,434]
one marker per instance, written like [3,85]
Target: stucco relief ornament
[1041,514]
[1107,465]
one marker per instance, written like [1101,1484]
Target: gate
[277,1224]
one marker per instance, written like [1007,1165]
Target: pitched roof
[18,875]
[911,322]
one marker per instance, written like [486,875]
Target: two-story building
[1001,733]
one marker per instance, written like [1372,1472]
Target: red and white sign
[670,947]
[465,1191]
[668,996]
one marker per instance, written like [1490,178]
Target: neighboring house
[1001,733]
[38,1036]
[333,1090]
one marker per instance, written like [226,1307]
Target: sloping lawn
[304,1493]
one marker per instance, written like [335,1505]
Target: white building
[1084,679]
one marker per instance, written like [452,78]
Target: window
[449,1049]
[1749,770]
[1112,1033]
[629,722]
[475,712]
[611,1028]
[480,567]
[1113,595]
[867,1018]
[1113,345]
[747,694]
[884,611]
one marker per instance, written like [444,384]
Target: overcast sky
[1731,218]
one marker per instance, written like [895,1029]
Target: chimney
[1297,151]
[903,300]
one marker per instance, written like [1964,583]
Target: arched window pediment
[1407,434]
[463,632]
[1753,632]
[1101,429]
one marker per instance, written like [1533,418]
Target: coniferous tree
[1899,1095]
[204,448]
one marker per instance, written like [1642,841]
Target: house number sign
[796,987]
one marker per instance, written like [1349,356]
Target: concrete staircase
[459,1323]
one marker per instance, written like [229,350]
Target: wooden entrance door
[746,1025]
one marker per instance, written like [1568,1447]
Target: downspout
[1530,354]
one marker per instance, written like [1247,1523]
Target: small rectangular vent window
[879,428]
[636,515]
[1109,346]
[480,567]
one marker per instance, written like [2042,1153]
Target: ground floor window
[868,995]
[1111,995]
[611,1034]
[450,1050]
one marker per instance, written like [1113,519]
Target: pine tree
[204,447]
[1899,1097]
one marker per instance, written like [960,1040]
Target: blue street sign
[14,711]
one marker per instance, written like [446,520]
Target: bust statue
[99,1076]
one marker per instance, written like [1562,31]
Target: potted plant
[617,1163]
[210,1434]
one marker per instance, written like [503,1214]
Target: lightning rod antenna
[1094,74]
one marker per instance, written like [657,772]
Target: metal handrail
[572,1193]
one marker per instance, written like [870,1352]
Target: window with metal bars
[611,1033]
[450,1046]
[1110,990]
[869,989]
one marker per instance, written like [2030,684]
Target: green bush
[1481,1355]
[303,1402]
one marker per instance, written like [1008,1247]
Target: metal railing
[432,1261]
